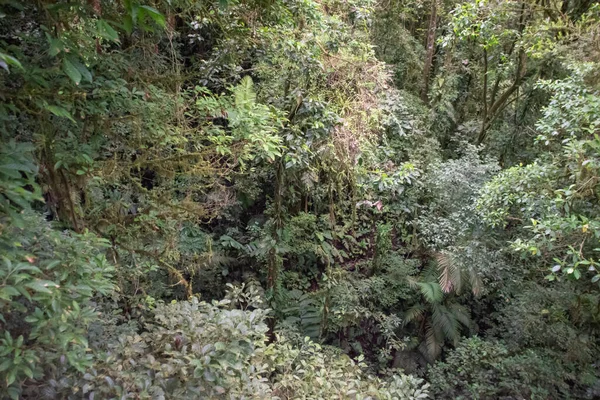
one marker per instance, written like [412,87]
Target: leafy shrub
[451,193]
[188,350]
[193,349]
[48,280]
[485,369]
[312,372]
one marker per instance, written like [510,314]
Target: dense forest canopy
[299,199]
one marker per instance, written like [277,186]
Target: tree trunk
[496,107]
[430,50]
[273,258]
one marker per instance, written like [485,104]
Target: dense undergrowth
[299,199]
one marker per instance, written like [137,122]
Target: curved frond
[415,313]
[450,274]
[461,314]
[432,346]
[475,281]
[412,281]
[442,320]
[431,291]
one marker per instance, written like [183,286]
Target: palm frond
[476,282]
[450,277]
[431,291]
[442,320]
[461,314]
[210,259]
[415,313]
[412,282]
[432,346]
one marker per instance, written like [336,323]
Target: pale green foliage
[516,193]
[451,191]
[190,349]
[248,121]
[308,372]
[573,111]
[193,349]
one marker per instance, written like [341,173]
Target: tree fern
[431,348]
[440,319]
[415,313]
[461,314]
[431,291]
[450,277]
[442,323]
[445,322]
[454,274]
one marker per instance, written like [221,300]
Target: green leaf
[128,25]
[209,376]
[71,71]
[52,264]
[42,286]
[56,45]
[82,69]
[5,365]
[155,15]
[12,376]
[27,371]
[59,112]
[8,292]
[6,60]
[14,393]
[106,31]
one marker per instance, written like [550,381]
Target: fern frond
[432,344]
[412,282]
[442,320]
[450,274]
[476,282]
[431,291]
[415,313]
[244,92]
[210,260]
[461,314]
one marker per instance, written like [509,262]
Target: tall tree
[430,47]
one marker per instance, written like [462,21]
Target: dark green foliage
[49,281]
[292,199]
[482,369]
